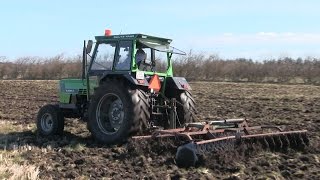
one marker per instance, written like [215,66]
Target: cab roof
[133,37]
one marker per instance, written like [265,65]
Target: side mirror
[89,46]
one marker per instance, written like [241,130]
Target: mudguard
[177,83]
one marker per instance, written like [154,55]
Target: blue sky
[255,29]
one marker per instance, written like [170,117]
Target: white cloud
[227,34]
[267,34]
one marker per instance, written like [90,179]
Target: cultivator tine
[280,140]
[305,139]
[285,141]
[271,142]
[292,140]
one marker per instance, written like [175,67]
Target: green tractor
[127,88]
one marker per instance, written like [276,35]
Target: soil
[76,155]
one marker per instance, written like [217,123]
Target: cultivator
[224,135]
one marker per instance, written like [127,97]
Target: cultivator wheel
[199,139]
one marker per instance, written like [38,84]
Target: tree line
[37,68]
[193,66]
[281,70]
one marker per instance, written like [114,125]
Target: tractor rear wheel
[50,120]
[186,108]
[117,111]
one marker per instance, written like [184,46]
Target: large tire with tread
[117,111]
[50,120]
[186,108]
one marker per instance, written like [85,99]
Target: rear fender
[179,83]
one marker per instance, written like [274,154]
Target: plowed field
[76,155]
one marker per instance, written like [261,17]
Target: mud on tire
[50,120]
[117,111]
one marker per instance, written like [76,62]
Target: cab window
[104,56]
[124,57]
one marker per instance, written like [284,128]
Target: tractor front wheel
[50,120]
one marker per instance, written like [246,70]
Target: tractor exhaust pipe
[84,59]
[86,50]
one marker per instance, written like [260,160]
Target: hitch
[173,114]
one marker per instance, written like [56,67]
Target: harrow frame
[212,136]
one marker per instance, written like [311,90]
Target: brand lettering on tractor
[123,36]
[70,90]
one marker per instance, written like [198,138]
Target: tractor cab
[138,56]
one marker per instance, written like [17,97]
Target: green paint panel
[64,98]
[70,87]
[67,85]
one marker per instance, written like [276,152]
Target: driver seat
[141,56]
